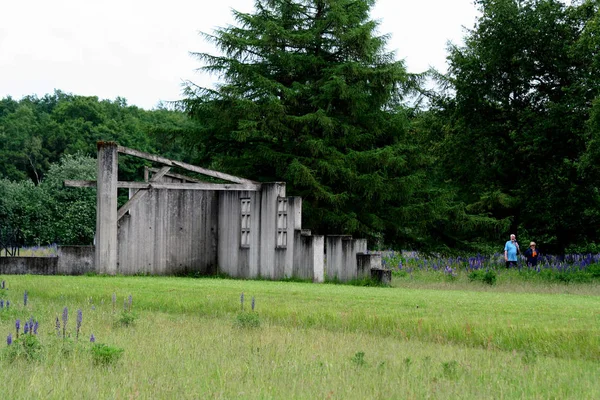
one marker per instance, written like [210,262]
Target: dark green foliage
[50,212]
[44,141]
[248,319]
[569,275]
[488,277]
[594,270]
[450,369]
[369,282]
[36,132]
[26,347]
[103,354]
[359,359]
[126,318]
[311,97]
[514,134]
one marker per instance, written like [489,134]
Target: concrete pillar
[318,259]
[106,209]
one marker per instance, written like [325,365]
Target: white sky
[139,49]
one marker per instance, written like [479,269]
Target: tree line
[44,141]
[309,94]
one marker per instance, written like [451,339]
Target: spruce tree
[309,95]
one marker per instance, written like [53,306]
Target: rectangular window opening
[245,221]
[282,209]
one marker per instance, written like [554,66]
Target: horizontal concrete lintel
[173,185]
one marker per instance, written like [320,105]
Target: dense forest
[507,142]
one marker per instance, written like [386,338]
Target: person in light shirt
[511,248]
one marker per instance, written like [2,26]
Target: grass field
[187,338]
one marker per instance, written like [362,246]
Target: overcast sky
[139,49]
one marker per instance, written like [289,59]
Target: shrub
[103,354]
[27,347]
[126,318]
[488,277]
[247,320]
[594,270]
[359,359]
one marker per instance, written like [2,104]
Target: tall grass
[313,341]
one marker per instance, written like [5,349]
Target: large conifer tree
[515,125]
[310,96]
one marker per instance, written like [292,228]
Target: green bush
[27,347]
[103,354]
[359,359]
[247,320]
[594,270]
[489,277]
[126,318]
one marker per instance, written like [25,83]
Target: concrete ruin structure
[173,224]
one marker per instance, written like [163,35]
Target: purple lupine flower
[7,304]
[9,339]
[92,338]
[79,319]
[65,319]
[242,300]
[3,284]
[57,327]
[26,328]
[18,326]
[1,303]
[25,298]
[253,303]
[35,327]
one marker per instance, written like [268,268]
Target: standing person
[510,251]
[532,254]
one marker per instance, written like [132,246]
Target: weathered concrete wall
[365,262]
[334,248]
[76,260]
[170,232]
[29,265]
[234,259]
[341,253]
[309,256]
[260,257]
[71,260]
[272,260]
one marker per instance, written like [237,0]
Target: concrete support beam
[106,211]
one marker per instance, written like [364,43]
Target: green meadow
[189,338]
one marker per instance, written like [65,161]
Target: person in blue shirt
[511,248]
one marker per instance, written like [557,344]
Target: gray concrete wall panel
[29,265]
[365,263]
[76,260]
[268,228]
[170,232]
[334,252]
[309,256]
